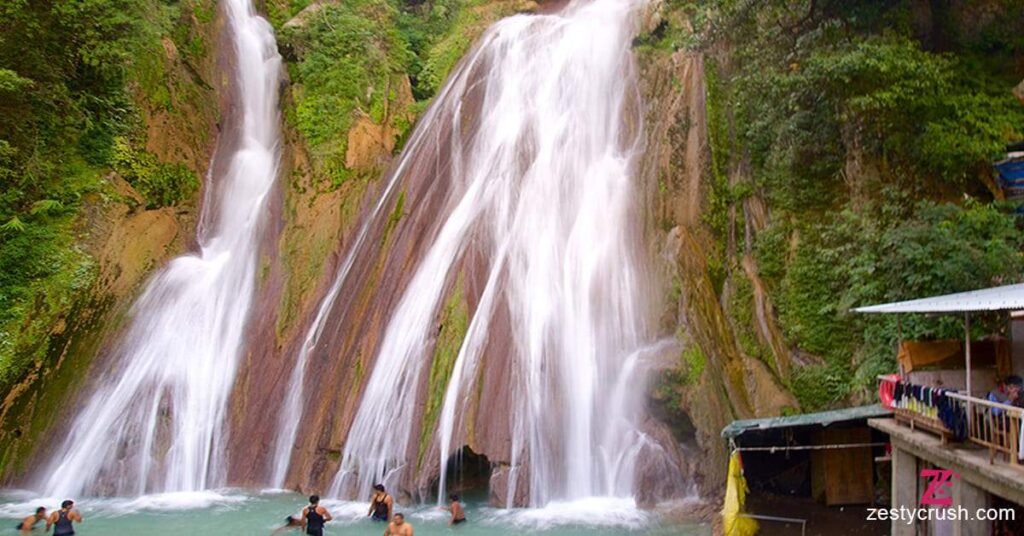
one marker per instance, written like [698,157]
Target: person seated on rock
[381,505]
[290,523]
[455,507]
[398,527]
[29,522]
[314,516]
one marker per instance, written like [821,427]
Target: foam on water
[19,502]
[232,511]
[607,512]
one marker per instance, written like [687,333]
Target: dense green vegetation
[72,75]
[350,59]
[869,129]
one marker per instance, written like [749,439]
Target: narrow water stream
[156,420]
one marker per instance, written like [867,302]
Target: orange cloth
[949,354]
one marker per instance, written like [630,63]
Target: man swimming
[29,522]
[458,513]
[398,527]
[381,505]
[289,524]
[314,516]
[62,520]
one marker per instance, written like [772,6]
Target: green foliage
[347,58]
[281,11]
[160,184]
[818,387]
[741,310]
[68,71]
[872,257]
[453,20]
[869,130]
[693,364]
[455,323]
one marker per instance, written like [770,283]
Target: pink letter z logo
[940,487]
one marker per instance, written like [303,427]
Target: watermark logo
[937,504]
[939,491]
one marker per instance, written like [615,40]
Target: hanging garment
[735,497]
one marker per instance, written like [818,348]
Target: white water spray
[156,421]
[295,397]
[542,184]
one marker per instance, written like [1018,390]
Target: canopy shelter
[1004,298]
[826,456]
[823,418]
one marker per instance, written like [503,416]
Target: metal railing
[787,520]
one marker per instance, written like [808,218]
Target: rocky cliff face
[719,381]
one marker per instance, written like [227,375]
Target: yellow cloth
[735,497]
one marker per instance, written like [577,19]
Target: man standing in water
[62,519]
[382,505]
[458,513]
[29,522]
[314,516]
[398,527]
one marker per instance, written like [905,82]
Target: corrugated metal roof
[1008,297]
[823,418]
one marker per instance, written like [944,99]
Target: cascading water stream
[156,421]
[291,412]
[542,188]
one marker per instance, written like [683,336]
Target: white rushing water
[156,421]
[542,184]
[295,397]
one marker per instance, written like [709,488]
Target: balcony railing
[992,425]
[955,416]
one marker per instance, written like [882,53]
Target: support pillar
[971,498]
[904,488]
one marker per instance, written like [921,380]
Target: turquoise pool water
[260,513]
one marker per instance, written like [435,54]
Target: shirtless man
[398,527]
[29,522]
[458,513]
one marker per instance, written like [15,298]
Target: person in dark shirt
[314,517]
[62,519]
[381,505]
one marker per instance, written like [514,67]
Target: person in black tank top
[381,504]
[315,516]
[63,519]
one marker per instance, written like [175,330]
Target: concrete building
[955,454]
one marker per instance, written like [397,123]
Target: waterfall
[541,181]
[156,420]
